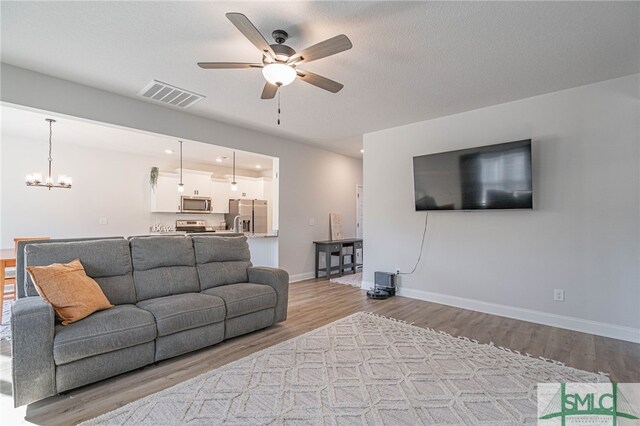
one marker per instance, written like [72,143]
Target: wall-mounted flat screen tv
[483,178]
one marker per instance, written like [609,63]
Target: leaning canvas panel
[335,225]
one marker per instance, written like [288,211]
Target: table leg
[353,260]
[328,263]
[340,262]
[317,260]
[2,278]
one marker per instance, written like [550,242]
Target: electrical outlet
[103,221]
[397,271]
[558,295]
[312,221]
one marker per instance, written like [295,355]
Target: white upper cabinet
[248,189]
[165,198]
[220,195]
[196,184]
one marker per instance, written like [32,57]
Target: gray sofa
[172,295]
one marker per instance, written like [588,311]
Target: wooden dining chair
[9,286]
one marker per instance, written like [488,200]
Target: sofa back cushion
[108,262]
[221,260]
[163,266]
[21,274]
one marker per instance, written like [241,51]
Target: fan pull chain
[279,107]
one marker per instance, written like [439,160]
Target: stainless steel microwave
[195,204]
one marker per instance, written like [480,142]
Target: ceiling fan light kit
[279,61]
[279,74]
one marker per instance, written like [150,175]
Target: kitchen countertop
[247,234]
[260,235]
[250,235]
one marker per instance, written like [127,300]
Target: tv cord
[424,234]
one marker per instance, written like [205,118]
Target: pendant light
[180,185]
[234,184]
[35,179]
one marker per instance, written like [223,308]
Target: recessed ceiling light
[258,166]
[168,151]
[362,151]
[221,159]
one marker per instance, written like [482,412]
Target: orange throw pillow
[72,293]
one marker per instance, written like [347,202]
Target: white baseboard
[366,285]
[629,334]
[301,277]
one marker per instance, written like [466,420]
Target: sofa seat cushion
[244,298]
[182,312]
[117,328]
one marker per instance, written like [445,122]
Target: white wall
[313,182]
[583,235]
[107,184]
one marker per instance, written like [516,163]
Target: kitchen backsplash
[166,222]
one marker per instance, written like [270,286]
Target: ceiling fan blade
[249,30]
[320,81]
[227,65]
[269,91]
[329,47]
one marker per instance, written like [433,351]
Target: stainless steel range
[193,226]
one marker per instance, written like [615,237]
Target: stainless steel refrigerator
[253,214]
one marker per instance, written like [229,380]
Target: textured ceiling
[410,61]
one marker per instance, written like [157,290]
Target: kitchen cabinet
[165,198]
[220,195]
[196,184]
[248,189]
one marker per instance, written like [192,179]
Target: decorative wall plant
[153,178]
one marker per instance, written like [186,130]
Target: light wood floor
[315,303]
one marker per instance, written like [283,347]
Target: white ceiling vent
[167,94]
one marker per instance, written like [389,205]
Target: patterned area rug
[363,369]
[351,279]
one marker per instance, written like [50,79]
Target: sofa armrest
[279,280]
[33,368]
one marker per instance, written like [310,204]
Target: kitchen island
[264,249]
[263,246]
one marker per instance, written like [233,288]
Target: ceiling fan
[279,61]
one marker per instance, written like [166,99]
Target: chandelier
[35,179]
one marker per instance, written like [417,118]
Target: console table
[336,247]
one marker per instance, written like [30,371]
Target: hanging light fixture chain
[50,134]
[50,179]
[181,184]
